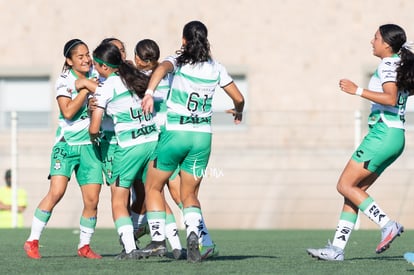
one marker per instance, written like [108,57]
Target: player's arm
[95,125]
[238,100]
[69,107]
[387,97]
[158,74]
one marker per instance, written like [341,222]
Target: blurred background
[278,170]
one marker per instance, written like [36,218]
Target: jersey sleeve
[173,60]
[225,78]
[62,88]
[387,71]
[103,94]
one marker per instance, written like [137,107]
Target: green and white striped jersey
[392,116]
[191,94]
[74,131]
[132,126]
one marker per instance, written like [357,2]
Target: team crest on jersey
[57,165]
[69,90]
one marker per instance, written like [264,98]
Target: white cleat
[329,253]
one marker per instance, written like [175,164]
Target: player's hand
[147,104]
[80,84]
[238,116]
[347,86]
[92,103]
[95,138]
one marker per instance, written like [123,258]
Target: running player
[72,152]
[186,139]
[120,97]
[388,91]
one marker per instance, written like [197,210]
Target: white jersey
[74,131]
[107,125]
[191,94]
[393,116]
[132,127]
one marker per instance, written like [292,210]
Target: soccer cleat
[87,252]
[329,253]
[154,249]
[208,251]
[388,234]
[179,254]
[409,257]
[133,255]
[193,251]
[32,249]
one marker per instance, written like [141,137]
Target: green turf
[241,252]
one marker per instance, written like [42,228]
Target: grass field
[241,252]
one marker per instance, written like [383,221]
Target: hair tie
[408,45]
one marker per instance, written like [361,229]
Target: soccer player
[72,152]
[388,90]
[186,140]
[120,96]
[108,139]
[147,53]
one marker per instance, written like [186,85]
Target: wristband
[359,91]
[149,92]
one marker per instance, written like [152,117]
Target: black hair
[405,71]
[133,79]
[111,39]
[393,35]
[197,47]
[147,50]
[68,50]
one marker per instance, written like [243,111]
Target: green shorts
[130,163]
[107,155]
[83,159]
[380,147]
[189,150]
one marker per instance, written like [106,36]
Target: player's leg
[138,209]
[61,167]
[87,225]
[192,214]
[208,248]
[43,213]
[90,179]
[171,233]
[127,169]
[155,205]
[386,146]
[120,214]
